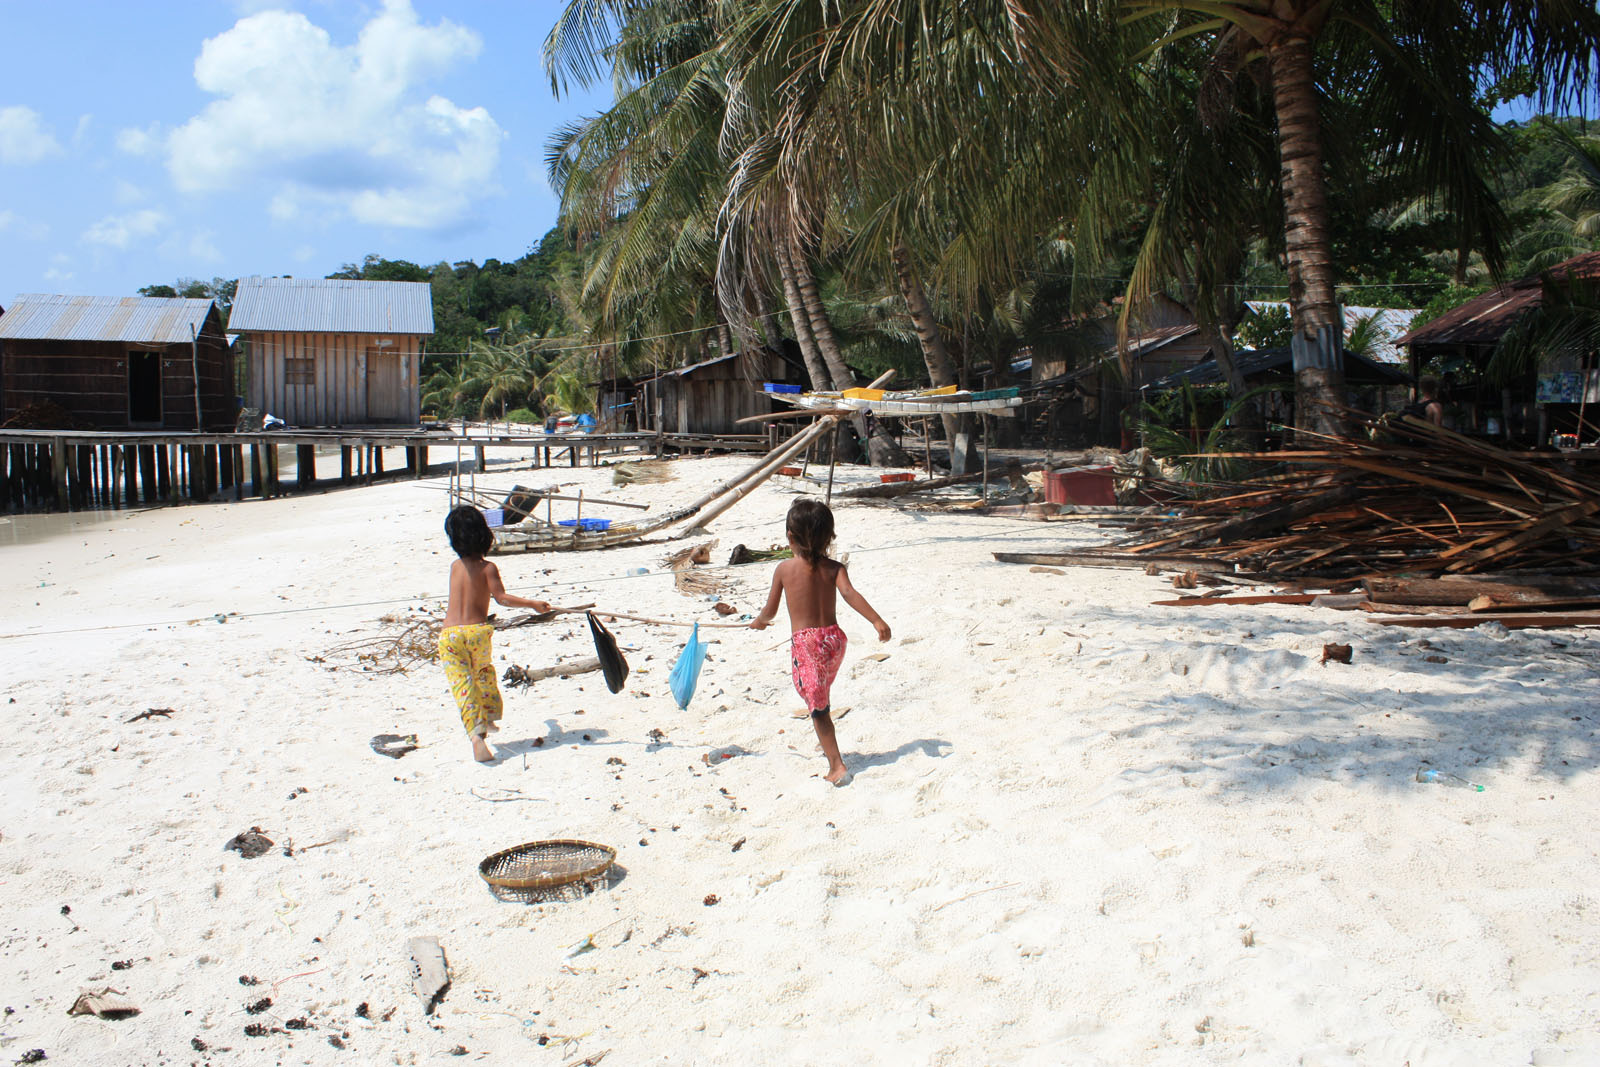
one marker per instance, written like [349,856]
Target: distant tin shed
[117,363]
[713,395]
[334,351]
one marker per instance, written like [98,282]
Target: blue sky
[140,143]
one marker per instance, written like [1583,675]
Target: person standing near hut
[465,649]
[811,582]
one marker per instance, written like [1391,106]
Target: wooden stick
[1511,621]
[541,616]
[1207,601]
[673,622]
[796,414]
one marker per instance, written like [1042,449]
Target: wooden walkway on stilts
[45,470]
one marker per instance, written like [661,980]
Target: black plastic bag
[612,664]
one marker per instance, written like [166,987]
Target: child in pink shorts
[811,581]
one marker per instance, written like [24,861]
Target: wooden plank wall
[90,379]
[338,394]
[713,399]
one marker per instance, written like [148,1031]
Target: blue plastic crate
[779,387]
[587,525]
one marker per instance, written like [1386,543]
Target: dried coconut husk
[685,579]
[645,472]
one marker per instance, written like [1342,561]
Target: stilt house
[334,351]
[117,363]
[711,396]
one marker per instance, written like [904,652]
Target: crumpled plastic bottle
[1437,777]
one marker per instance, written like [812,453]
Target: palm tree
[1413,69]
[1576,196]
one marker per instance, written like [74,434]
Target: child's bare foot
[836,775]
[480,750]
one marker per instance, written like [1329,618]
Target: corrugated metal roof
[331,305]
[1390,322]
[1261,362]
[141,319]
[1483,319]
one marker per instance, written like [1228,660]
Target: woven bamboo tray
[546,864]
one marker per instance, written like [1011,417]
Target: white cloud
[82,131]
[345,128]
[203,247]
[137,142]
[58,271]
[23,138]
[31,229]
[125,192]
[120,231]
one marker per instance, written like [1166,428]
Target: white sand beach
[1080,829]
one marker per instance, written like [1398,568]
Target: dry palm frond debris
[645,472]
[1410,498]
[405,642]
[686,579]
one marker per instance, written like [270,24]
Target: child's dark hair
[468,532]
[810,526]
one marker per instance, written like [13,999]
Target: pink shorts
[817,653]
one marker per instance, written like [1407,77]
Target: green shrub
[523,415]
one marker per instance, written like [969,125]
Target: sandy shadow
[933,747]
[554,738]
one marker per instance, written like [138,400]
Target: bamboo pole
[738,492]
[673,622]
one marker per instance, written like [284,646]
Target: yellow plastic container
[864,394]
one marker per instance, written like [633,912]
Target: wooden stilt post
[147,473]
[272,470]
[482,461]
[164,472]
[255,470]
[985,419]
[83,477]
[210,470]
[58,472]
[195,456]
[305,465]
[238,472]
[422,460]
[344,464]
[130,476]
[377,460]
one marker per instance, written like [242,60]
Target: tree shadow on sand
[1256,716]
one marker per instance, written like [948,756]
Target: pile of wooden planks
[1406,498]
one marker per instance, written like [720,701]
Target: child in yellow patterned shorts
[464,643]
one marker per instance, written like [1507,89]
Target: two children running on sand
[810,581]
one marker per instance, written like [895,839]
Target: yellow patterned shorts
[468,662]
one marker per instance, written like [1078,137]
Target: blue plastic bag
[686,672]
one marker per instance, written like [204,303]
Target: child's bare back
[811,583]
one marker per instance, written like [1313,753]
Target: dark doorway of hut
[144,388]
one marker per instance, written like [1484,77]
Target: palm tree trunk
[817,315]
[882,451]
[941,370]
[802,323]
[1318,361]
[1250,418]
[768,319]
